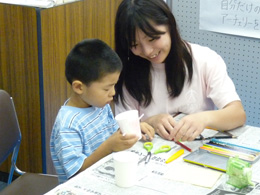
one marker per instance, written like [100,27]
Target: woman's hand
[163,124]
[147,131]
[189,127]
[227,118]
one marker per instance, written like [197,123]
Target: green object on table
[164,148]
[148,146]
[239,172]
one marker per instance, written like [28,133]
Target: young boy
[85,129]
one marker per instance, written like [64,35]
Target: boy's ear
[77,87]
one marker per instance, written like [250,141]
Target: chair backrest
[10,134]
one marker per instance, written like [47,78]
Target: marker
[182,145]
[216,137]
[211,128]
[175,156]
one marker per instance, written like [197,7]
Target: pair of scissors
[164,148]
[149,145]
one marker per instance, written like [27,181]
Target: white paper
[37,3]
[237,17]
[100,178]
[32,3]
[193,174]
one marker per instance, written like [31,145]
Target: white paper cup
[129,122]
[125,164]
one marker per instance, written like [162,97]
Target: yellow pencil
[211,128]
[175,156]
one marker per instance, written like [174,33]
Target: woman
[164,75]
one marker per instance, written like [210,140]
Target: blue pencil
[225,143]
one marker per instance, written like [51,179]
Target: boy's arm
[116,142]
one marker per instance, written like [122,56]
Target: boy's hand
[147,131]
[118,142]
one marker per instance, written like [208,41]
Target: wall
[241,54]
[34,44]
[19,76]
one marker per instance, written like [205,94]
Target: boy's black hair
[142,14]
[90,60]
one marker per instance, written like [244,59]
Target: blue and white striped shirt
[76,134]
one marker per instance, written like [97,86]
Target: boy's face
[101,92]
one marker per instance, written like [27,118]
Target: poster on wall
[37,3]
[236,17]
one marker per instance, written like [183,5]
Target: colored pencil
[228,152]
[216,137]
[182,145]
[235,148]
[234,145]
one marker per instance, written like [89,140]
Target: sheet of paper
[250,138]
[37,3]
[99,178]
[236,17]
[193,174]
[209,133]
[31,3]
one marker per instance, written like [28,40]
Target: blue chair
[10,134]
[10,140]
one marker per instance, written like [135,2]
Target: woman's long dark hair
[138,14]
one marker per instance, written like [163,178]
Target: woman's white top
[210,86]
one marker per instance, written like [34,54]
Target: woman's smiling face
[153,49]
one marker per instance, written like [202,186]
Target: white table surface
[99,178]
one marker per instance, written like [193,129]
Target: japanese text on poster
[237,17]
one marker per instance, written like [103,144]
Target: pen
[211,128]
[182,145]
[216,137]
[233,145]
[175,156]
[225,152]
[185,147]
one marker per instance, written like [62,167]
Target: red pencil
[182,145]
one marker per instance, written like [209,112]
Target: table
[99,178]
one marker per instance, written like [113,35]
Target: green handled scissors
[164,148]
[149,145]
